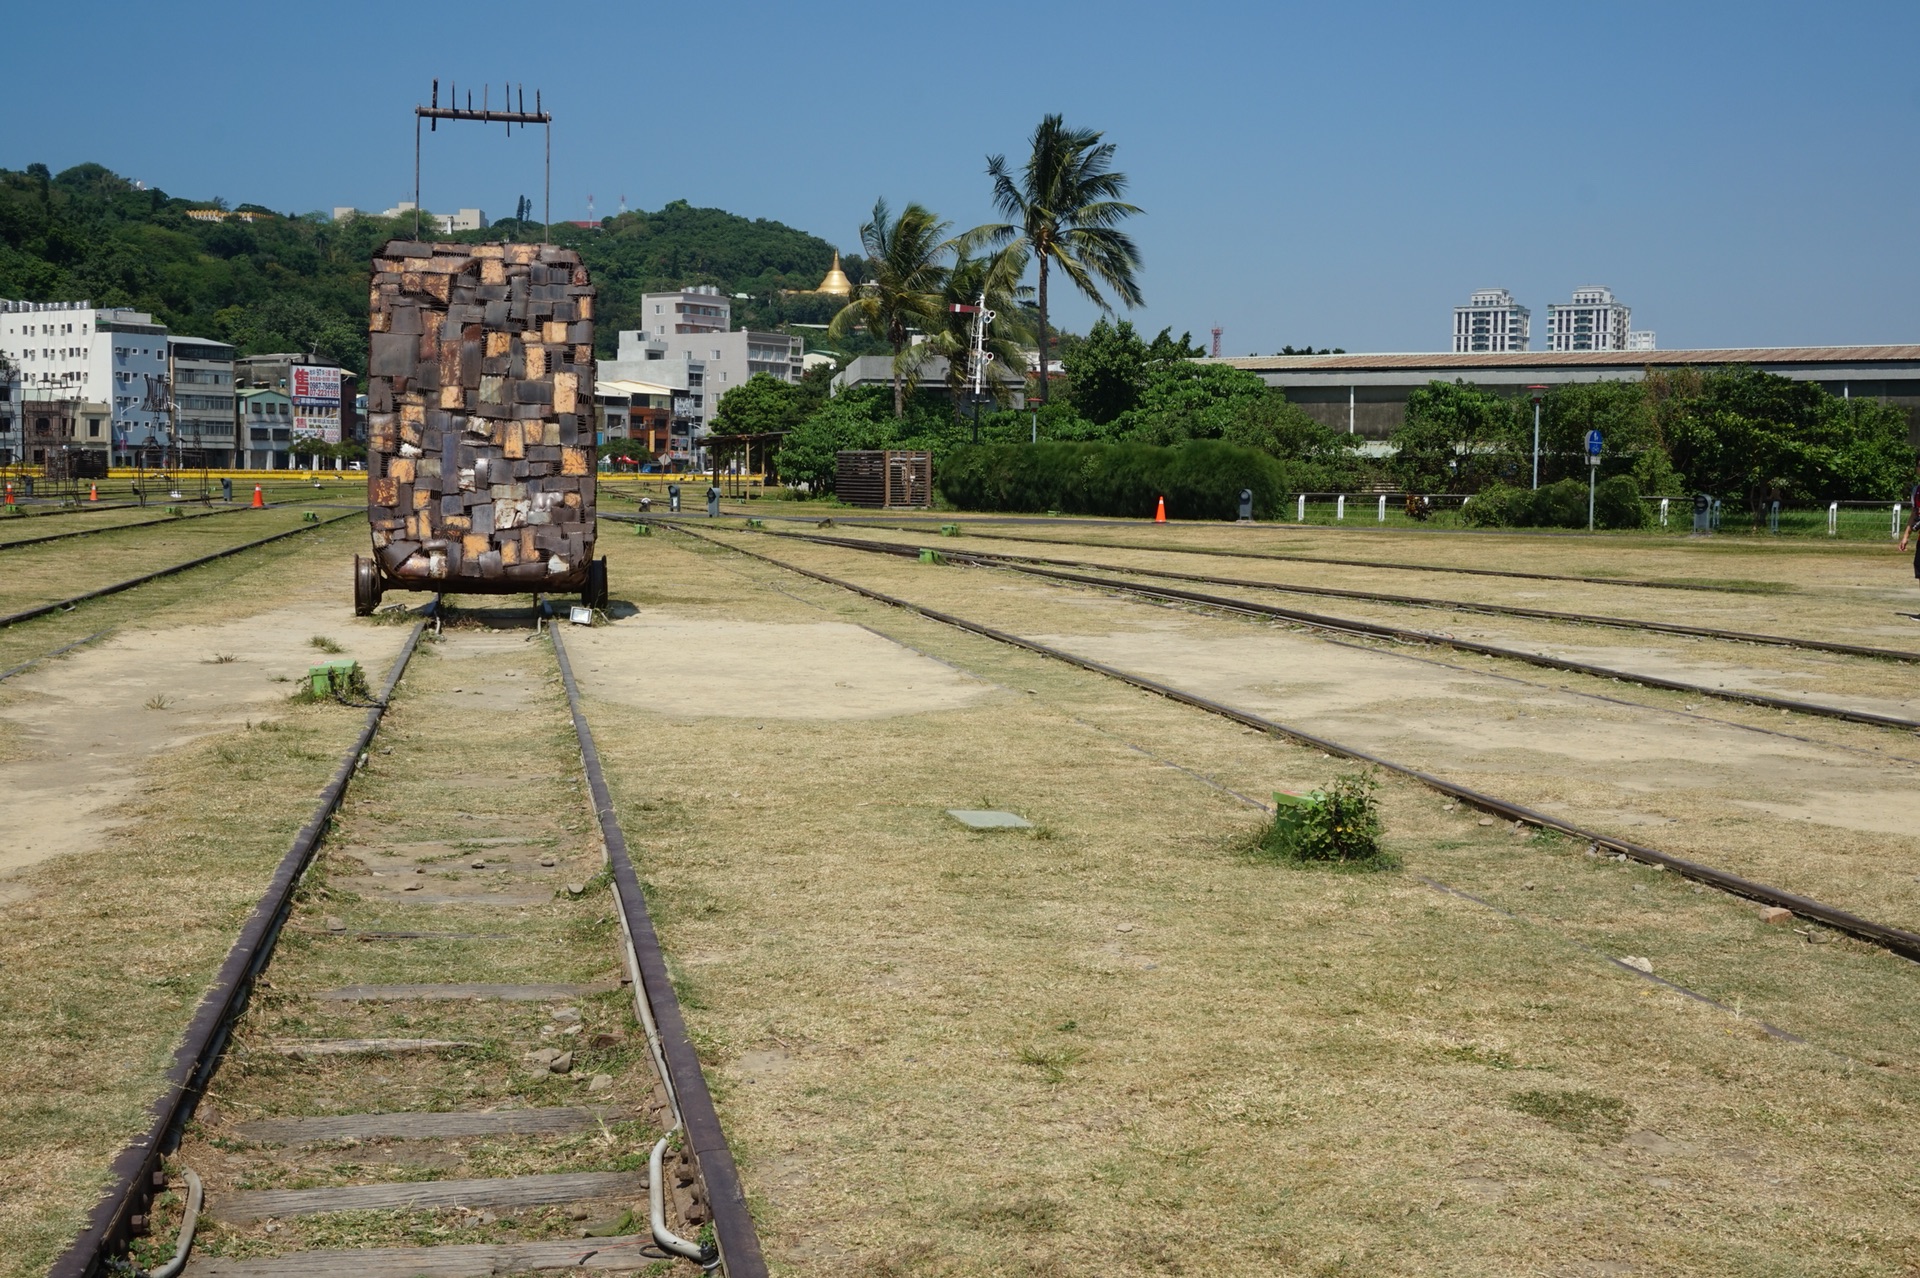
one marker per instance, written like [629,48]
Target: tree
[809,454]
[1105,371]
[1453,438]
[903,291]
[1065,210]
[761,404]
[1182,400]
[1754,437]
[1618,410]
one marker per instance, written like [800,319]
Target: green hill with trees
[299,281]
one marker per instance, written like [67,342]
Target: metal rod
[486,115]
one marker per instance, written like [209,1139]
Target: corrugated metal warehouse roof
[1573,359]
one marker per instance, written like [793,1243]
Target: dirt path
[83,730]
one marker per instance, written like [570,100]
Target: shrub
[1616,504]
[1338,824]
[1200,480]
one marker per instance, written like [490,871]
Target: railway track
[165,520]
[1396,634]
[1897,940]
[1324,559]
[114,588]
[1451,605]
[479,1046]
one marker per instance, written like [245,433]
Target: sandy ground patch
[1458,723]
[764,670]
[83,728]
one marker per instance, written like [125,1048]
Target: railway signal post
[1593,467]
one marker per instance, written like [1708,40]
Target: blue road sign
[1593,442]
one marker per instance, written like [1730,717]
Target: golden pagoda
[836,284]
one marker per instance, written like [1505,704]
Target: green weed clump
[1339,826]
[1588,1115]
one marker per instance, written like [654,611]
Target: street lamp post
[1539,393]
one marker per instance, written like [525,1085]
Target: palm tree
[1065,209]
[996,277]
[902,291]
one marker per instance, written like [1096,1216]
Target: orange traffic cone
[9,494]
[1160,512]
[259,502]
[93,492]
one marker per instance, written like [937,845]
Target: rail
[1398,634]
[739,1243]
[1897,940]
[61,605]
[133,1184]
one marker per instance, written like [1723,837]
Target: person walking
[1913,517]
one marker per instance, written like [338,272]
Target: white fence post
[1340,506]
[1383,508]
[1302,516]
[1896,521]
[1663,511]
[1833,519]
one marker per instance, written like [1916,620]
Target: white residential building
[689,345]
[1640,339]
[1593,321]
[1491,321]
[108,355]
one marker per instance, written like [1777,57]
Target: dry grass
[1128,1047]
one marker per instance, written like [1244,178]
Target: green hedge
[1200,480]
[1616,504]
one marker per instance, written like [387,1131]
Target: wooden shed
[885,477]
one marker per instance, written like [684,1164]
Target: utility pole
[1539,393]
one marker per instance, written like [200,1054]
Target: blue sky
[1335,174]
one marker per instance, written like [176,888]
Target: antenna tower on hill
[1216,341]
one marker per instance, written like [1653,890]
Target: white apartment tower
[1593,321]
[1491,321]
[75,351]
[690,346]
